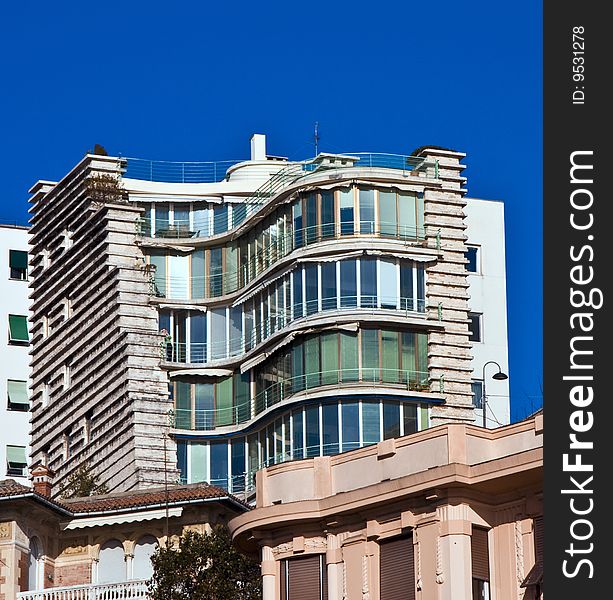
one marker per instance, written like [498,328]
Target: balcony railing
[229,281]
[127,590]
[202,352]
[208,419]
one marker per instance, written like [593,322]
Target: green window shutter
[224,415]
[16,456]
[349,356]
[18,328]
[198,462]
[18,392]
[18,259]
[183,405]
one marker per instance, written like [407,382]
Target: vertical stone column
[449,350]
[335,568]
[269,570]
[454,569]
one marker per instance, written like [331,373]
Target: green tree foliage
[83,482]
[204,567]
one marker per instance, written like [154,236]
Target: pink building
[454,512]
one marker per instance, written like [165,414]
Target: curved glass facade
[315,428]
[333,342]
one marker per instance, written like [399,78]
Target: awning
[18,259]
[212,372]
[535,576]
[262,356]
[165,198]
[18,328]
[117,519]
[179,306]
[261,286]
[16,456]
[18,392]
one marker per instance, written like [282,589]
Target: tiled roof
[118,501]
[148,497]
[9,487]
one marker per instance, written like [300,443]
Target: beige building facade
[451,513]
[96,547]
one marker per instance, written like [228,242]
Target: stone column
[269,571]
[335,568]
[454,560]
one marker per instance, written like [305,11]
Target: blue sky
[193,81]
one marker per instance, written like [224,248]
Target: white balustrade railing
[132,590]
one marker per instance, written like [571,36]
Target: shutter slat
[480,554]
[539,538]
[304,578]
[397,569]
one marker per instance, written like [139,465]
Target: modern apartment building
[14,359]
[197,321]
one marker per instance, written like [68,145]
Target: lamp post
[500,376]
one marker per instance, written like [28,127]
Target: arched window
[112,562]
[143,550]
[35,566]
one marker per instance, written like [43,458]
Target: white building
[488,308]
[14,358]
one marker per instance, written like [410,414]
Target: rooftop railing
[214,171]
[177,172]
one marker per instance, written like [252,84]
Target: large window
[474,327]
[202,406]
[18,264]
[219,464]
[472,255]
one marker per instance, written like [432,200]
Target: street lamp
[500,376]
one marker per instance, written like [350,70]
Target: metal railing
[203,352]
[213,171]
[226,282]
[132,590]
[177,172]
[209,419]
[284,178]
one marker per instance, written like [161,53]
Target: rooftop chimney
[258,146]
[41,480]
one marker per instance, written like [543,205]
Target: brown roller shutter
[397,569]
[539,538]
[304,578]
[480,554]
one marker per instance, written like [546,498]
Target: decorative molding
[440,576]
[519,557]
[6,530]
[283,548]
[418,581]
[365,588]
[315,543]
